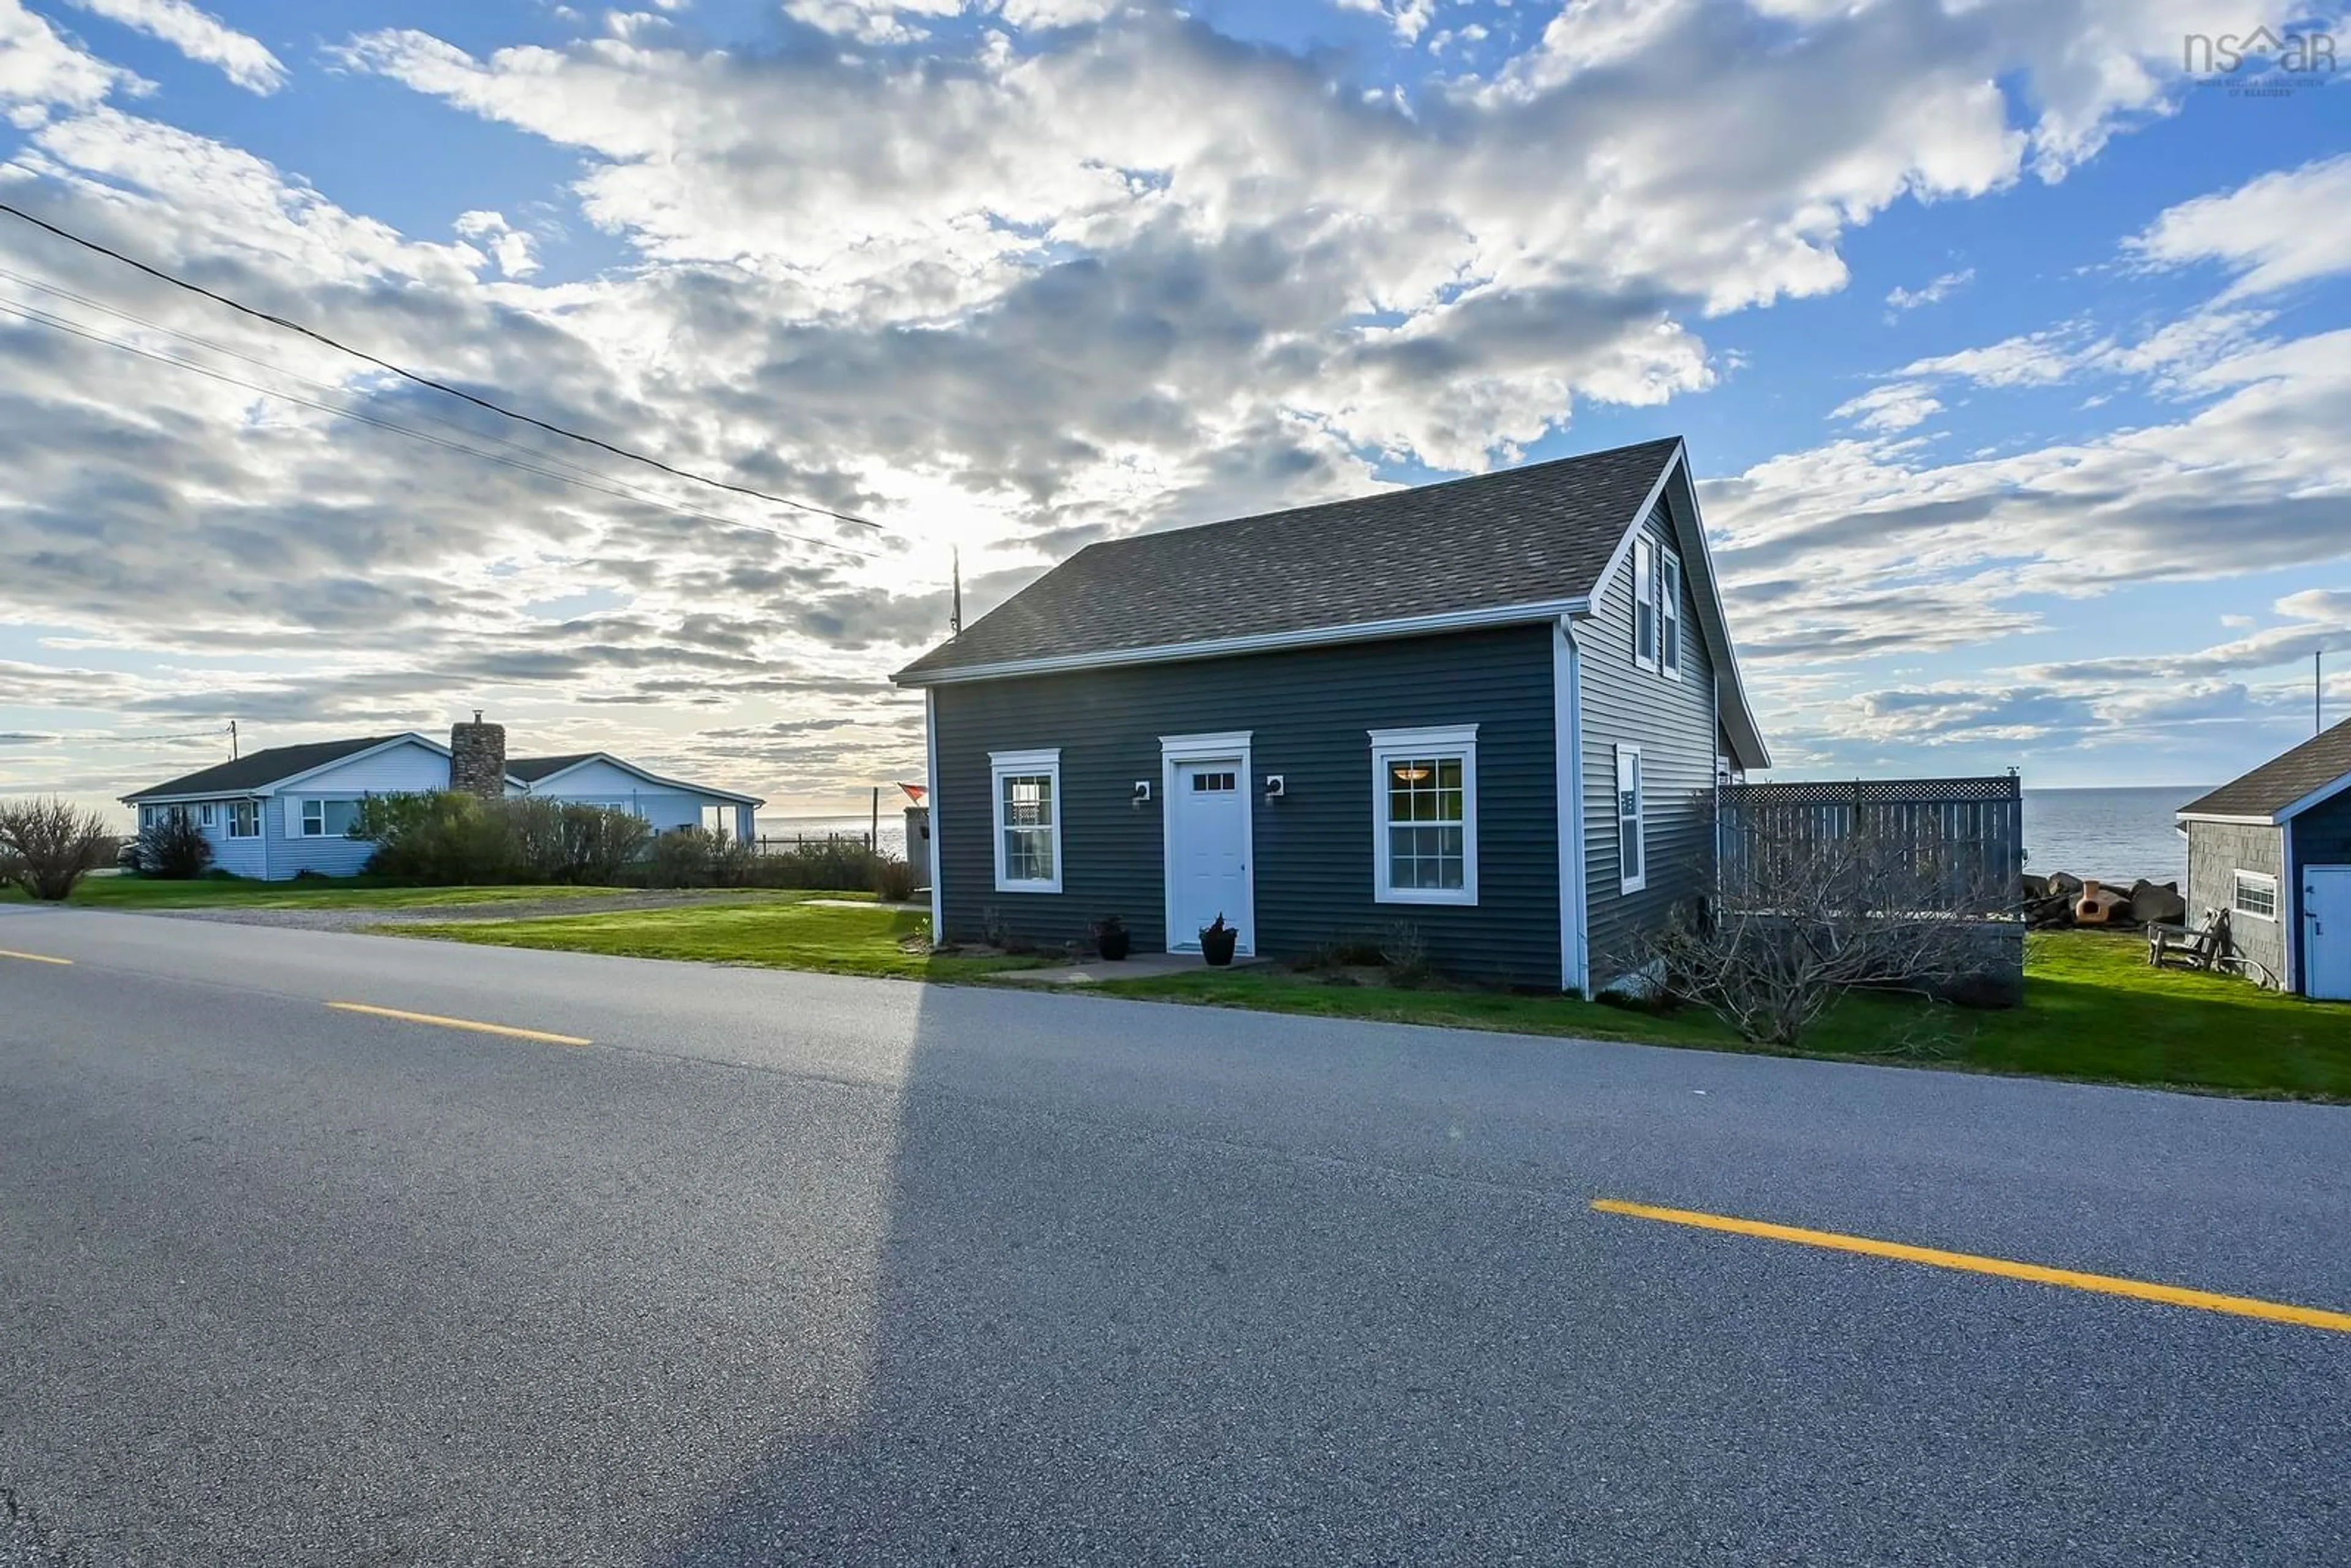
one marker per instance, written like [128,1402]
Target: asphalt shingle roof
[259,769]
[531,769]
[2281,781]
[1523,536]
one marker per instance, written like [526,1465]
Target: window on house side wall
[244,818]
[1425,815]
[1027,791]
[1631,821]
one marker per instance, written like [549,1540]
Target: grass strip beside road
[829,938]
[1969,1262]
[136,893]
[2093,1011]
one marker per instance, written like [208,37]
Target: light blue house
[273,814]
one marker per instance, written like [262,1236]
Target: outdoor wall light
[1274,787]
[1141,790]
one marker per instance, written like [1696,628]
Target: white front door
[1209,851]
[2326,932]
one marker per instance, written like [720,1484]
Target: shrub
[893,880]
[571,841]
[48,846]
[444,837]
[173,848]
[684,857]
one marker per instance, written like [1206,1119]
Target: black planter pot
[1113,944]
[1217,947]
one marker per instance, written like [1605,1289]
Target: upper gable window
[1644,601]
[1669,611]
[1656,606]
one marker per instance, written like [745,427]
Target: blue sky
[2014,358]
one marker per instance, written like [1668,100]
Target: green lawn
[330,893]
[773,934]
[2093,1010]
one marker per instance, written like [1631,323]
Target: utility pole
[2318,690]
[232,740]
[955,612]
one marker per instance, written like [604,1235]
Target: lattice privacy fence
[1964,837]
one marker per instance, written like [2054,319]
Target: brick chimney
[477,757]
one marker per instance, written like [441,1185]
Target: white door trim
[1230,746]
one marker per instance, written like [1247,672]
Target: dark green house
[1496,709]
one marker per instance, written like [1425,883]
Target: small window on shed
[2256,895]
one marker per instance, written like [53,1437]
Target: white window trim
[229,826]
[307,803]
[1645,591]
[1460,740]
[2258,879]
[1669,613]
[1013,764]
[208,815]
[1639,819]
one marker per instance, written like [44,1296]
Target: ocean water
[2116,835]
[894,828]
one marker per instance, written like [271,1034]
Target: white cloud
[515,251]
[1898,405]
[201,37]
[2282,229]
[39,69]
[1933,292]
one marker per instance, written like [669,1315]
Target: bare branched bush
[173,847]
[48,846]
[1801,918]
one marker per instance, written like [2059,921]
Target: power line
[425,381]
[125,740]
[586,478]
[42,317]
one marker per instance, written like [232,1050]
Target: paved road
[791,1268]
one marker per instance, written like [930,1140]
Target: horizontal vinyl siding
[405,770]
[1671,719]
[1310,713]
[2216,853]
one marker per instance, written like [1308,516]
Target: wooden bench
[2190,949]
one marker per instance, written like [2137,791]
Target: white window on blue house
[1644,601]
[1027,788]
[244,818]
[1425,815]
[328,818]
[1669,611]
[1631,822]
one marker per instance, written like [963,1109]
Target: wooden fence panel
[1963,836]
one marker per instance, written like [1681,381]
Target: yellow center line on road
[507,1030]
[1934,1258]
[31,958]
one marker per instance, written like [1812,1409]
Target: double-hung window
[244,818]
[1027,789]
[1425,815]
[208,816]
[1656,606]
[328,818]
[2255,894]
[1631,821]
[1644,601]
